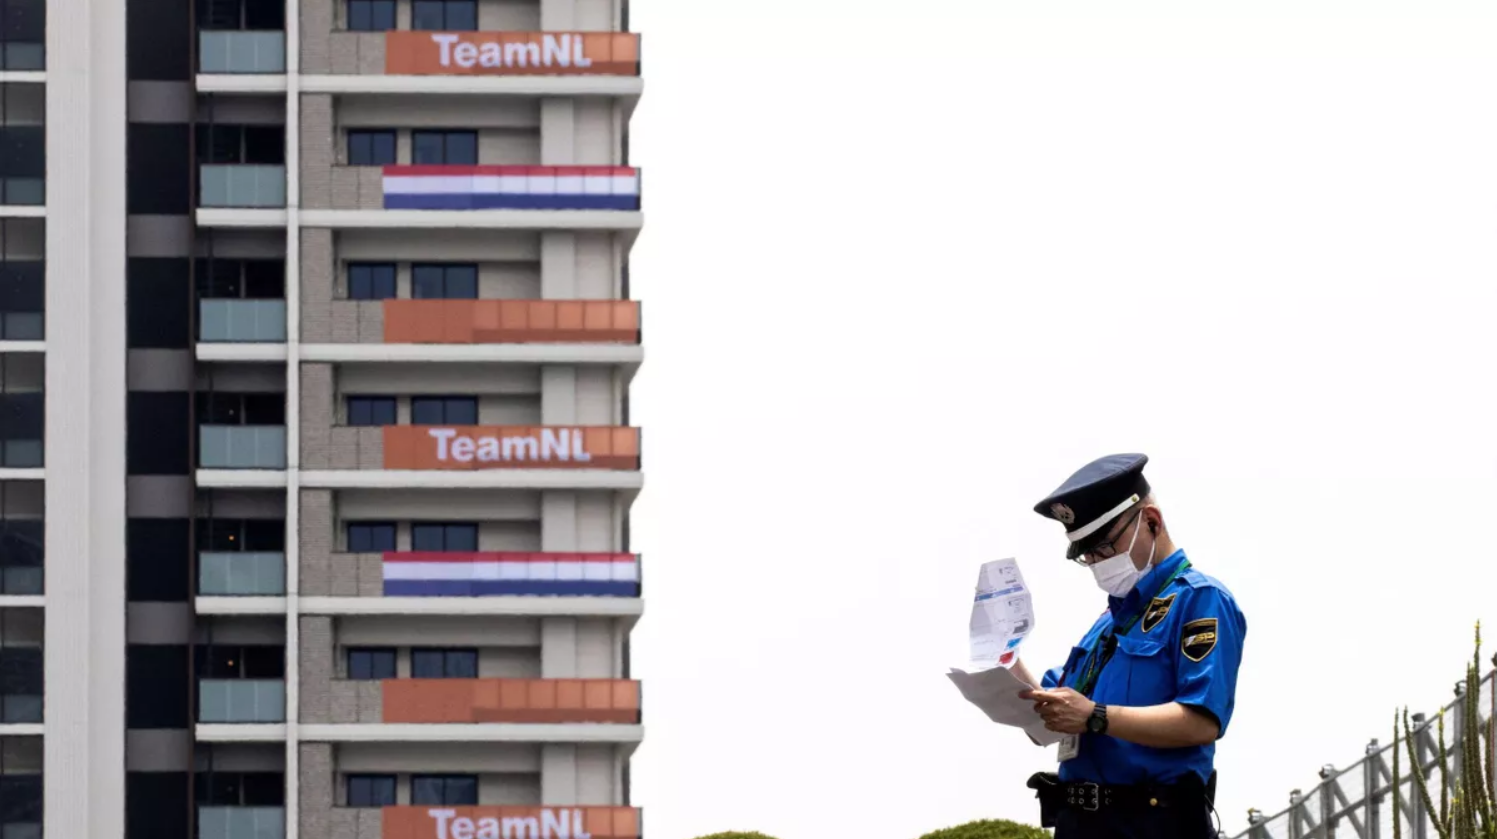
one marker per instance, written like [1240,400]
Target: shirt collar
[1147,587]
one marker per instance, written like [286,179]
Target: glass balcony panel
[21,830]
[242,321]
[241,52]
[242,185]
[241,700]
[242,446]
[245,574]
[241,822]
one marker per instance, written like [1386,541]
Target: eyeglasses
[1106,549]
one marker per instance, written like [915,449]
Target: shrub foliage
[737,834]
[989,829]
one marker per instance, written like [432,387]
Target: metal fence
[1358,800]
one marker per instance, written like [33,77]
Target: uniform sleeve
[1208,652]
[1051,678]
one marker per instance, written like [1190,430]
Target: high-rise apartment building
[316,465]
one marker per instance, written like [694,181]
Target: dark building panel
[156,805]
[157,41]
[157,177]
[156,686]
[158,303]
[156,434]
[156,560]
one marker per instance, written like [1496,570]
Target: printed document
[1001,618]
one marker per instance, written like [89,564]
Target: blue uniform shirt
[1185,648]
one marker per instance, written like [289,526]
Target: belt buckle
[1091,798]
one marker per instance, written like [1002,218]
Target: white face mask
[1117,575]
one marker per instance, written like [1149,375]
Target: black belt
[1055,794]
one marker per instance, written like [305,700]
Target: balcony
[602,822]
[510,188]
[502,574]
[241,52]
[242,321]
[510,321]
[241,186]
[468,701]
[241,700]
[241,822]
[241,574]
[512,447]
[242,446]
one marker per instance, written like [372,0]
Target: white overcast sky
[907,265]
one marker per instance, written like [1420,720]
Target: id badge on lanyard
[1069,747]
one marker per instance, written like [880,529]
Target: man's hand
[1063,709]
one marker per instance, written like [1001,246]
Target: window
[23,144]
[156,182]
[158,301]
[156,433]
[451,790]
[21,804]
[241,15]
[369,147]
[236,661]
[371,410]
[239,789]
[228,143]
[23,34]
[21,555]
[444,15]
[21,423]
[22,293]
[250,279]
[444,410]
[371,280]
[241,408]
[444,536]
[235,535]
[444,281]
[20,684]
[431,663]
[444,148]
[371,790]
[371,537]
[156,555]
[371,15]
[155,686]
[371,663]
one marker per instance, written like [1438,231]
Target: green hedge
[989,829]
[736,834]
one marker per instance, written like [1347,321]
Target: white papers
[1001,618]
[996,693]
[1001,614]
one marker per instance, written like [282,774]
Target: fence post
[1255,820]
[1457,727]
[1370,781]
[1419,818]
[1295,831]
[1327,801]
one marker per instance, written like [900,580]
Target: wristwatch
[1097,722]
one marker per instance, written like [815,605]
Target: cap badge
[1063,514]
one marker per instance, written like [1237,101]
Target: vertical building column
[84,749]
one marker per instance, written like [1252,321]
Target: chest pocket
[1072,671]
[1144,673]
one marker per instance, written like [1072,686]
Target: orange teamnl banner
[510,447]
[501,822]
[511,53]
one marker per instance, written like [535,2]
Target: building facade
[316,465]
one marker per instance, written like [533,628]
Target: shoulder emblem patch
[1159,607]
[1198,638]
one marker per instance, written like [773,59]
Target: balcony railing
[510,701]
[242,446]
[242,321]
[241,52]
[241,574]
[511,321]
[241,185]
[241,822]
[241,700]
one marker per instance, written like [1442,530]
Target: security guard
[1150,689]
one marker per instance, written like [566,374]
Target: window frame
[418,529]
[375,9]
[374,275]
[448,275]
[373,657]
[372,527]
[373,782]
[447,404]
[446,136]
[446,781]
[370,405]
[447,24]
[371,136]
[451,658]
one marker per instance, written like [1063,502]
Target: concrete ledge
[620,607]
[243,478]
[242,218]
[475,732]
[241,732]
[241,352]
[240,83]
[240,605]
[463,479]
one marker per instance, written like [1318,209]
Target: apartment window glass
[371,148]
[234,661]
[21,806]
[23,34]
[215,408]
[248,279]
[239,15]
[449,790]
[371,790]
[371,537]
[430,663]
[444,148]
[237,535]
[444,15]
[20,684]
[21,555]
[239,789]
[371,15]
[249,144]
[444,410]
[23,143]
[444,281]
[23,279]
[371,663]
[371,410]
[444,536]
[371,280]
